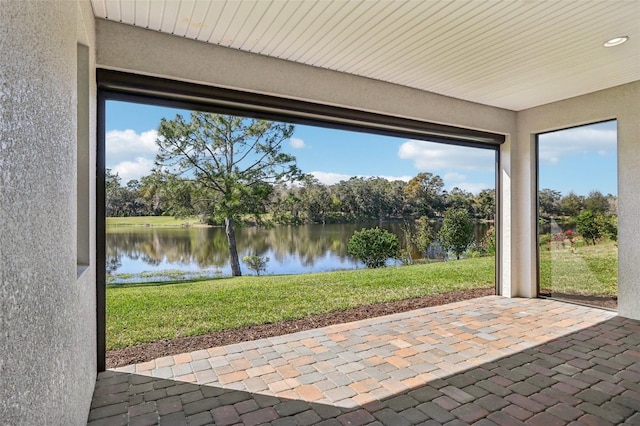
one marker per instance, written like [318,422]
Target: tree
[549,202]
[151,191]
[572,204]
[425,193]
[460,199]
[396,198]
[347,199]
[180,195]
[587,226]
[231,162]
[113,194]
[456,234]
[608,226]
[375,198]
[373,246]
[286,207]
[123,200]
[596,202]
[485,204]
[315,199]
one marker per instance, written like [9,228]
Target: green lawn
[584,270]
[150,312]
[152,221]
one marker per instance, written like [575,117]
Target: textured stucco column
[623,104]
[505,216]
[628,104]
[523,216]
[47,311]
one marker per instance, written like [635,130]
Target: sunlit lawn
[584,270]
[150,312]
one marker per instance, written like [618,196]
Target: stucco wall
[621,103]
[47,312]
[129,48]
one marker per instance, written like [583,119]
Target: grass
[149,312]
[585,269]
[161,276]
[167,221]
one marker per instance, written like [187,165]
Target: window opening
[577,214]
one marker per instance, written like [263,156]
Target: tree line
[307,201]
[353,200]
[552,203]
[595,216]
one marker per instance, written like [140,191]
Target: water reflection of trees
[207,247]
[181,246]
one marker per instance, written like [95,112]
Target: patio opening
[425,213]
[577,214]
[430,211]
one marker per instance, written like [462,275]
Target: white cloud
[580,140]
[454,177]
[297,143]
[128,170]
[329,178]
[392,178]
[123,145]
[131,154]
[431,156]
[473,187]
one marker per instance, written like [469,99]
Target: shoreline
[171,222]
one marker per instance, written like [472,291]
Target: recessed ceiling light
[616,41]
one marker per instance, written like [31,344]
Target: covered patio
[450,69]
[484,361]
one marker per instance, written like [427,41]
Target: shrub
[373,246]
[587,226]
[608,226]
[456,234]
[256,263]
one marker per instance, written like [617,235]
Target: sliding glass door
[577,214]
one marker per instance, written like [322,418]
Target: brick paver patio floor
[485,361]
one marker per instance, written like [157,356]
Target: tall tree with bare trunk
[232,161]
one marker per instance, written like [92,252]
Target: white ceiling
[513,54]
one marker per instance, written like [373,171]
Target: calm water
[291,249]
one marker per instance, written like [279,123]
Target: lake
[203,251]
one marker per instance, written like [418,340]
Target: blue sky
[580,159]
[334,155]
